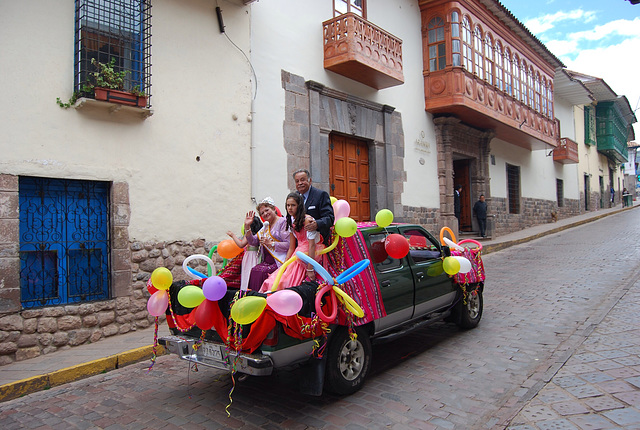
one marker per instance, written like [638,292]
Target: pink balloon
[158,302]
[341,209]
[285,302]
[214,288]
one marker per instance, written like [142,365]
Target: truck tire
[348,361]
[469,314]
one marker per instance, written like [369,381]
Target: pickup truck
[397,295]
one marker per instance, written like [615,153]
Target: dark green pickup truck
[396,295]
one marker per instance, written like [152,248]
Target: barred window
[560,192]
[114,30]
[513,188]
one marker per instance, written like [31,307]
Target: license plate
[210,351]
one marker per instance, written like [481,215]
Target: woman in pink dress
[309,242]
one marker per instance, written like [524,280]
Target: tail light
[272,337]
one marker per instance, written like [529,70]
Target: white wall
[199,82]
[287,35]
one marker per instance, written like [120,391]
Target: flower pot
[122,97]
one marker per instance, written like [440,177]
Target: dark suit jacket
[456,204]
[318,205]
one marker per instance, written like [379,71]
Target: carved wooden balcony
[359,50]
[456,91]
[566,152]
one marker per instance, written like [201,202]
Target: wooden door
[461,177]
[349,174]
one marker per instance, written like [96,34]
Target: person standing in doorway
[480,212]
[317,203]
[456,202]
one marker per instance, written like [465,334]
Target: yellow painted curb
[23,387]
[84,370]
[138,354]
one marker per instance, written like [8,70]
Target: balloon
[317,266]
[192,273]
[333,200]
[285,302]
[349,303]
[451,265]
[377,252]
[396,245]
[228,249]
[352,271]
[341,209]
[346,227]
[158,302]
[214,288]
[451,244]
[190,296]
[384,217]
[465,264]
[150,288]
[204,315]
[435,269]
[248,309]
[161,278]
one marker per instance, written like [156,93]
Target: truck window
[421,247]
[379,256]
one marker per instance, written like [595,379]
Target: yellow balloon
[384,217]
[333,200]
[248,309]
[330,247]
[190,296]
[346,227]
[161,278]
[451,265]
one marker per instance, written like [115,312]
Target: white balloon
[465,264]
[451,244]
[195,257]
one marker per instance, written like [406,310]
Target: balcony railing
[566,152]
[359,50]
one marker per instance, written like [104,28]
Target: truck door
[395,279]
[433,287]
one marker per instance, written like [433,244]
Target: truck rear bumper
[214,354]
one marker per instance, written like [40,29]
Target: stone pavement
[63,366]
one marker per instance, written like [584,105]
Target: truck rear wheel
[469,314]
[348,361]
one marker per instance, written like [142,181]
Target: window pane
[441,63]
[455,30]
[440,35]
[441,50]
[455,46]
[456,59]
[432,51]
[432,36]
[432,65]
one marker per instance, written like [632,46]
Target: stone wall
[532,212]
[33,332]
[426,217]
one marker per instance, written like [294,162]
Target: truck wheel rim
[351,360]
[473,305]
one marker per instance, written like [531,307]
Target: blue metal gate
[64,241]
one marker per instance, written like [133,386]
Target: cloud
[619,27]
[547,22]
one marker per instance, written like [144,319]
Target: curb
[64,376]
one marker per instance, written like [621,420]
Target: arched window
[507,72]
[531,87]
[523,83]
[437,50]
[488,58]
[516,77]
[477,46]
[537,92]
[455,39]
[550,99]
[499,67]
[467,51]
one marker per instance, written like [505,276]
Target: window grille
[560,192]
[64,241]
[513,188]
[118,30]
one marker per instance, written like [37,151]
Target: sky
[600,38]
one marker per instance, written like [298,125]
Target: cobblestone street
[558,348]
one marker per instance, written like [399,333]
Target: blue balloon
[352,271]
[321,270]
[195,272]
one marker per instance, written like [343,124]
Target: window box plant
[107,84]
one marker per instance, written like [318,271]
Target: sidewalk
[63,366]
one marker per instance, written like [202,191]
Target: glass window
[499,67]
[421,247]
[118,31]
[477,46]
[488,58]
[516,77]
[455,39]
[467,50]
[523,83]
[550,100]
[507,72]
[379,255]
[358,7]
[543,94]
[437,51]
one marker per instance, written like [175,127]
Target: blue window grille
[64,241]
[117,30]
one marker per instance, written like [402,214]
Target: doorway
[461,176]
[349,174]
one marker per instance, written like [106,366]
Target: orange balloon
[228,249]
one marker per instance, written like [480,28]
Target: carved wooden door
[349,174]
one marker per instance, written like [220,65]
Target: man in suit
[317,204]
[480,211]
[456,202]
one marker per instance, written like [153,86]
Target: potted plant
[107,84]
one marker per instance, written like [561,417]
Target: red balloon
[151,289]
[377,252]
[204,315]
[396,245]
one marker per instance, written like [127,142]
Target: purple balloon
[214,288]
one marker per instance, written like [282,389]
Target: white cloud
[620,27]
[547,22]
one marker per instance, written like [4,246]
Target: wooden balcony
[359,50]
[566,152]
[456,91]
